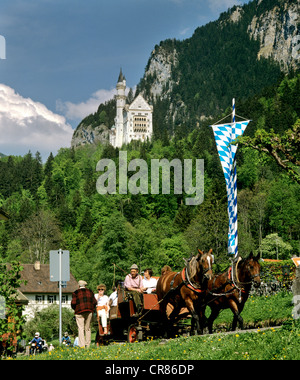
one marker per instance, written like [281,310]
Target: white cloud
[78,111]
[183,32]
[28,125]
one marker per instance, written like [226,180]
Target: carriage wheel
[132,334]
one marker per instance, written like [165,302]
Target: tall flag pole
[225,135]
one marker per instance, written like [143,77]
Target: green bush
[46,322]
[272,270]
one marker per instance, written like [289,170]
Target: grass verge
[271,344]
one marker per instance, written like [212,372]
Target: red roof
[38,281]
[272,260]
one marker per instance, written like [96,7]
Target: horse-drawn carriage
[125,324]
[172,305]
[178,306]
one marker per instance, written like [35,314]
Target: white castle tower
[133,121]
[121,101]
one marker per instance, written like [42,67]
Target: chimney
[37,265]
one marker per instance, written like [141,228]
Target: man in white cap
[83,303]
[134,284]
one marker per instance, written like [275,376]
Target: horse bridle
[252,277]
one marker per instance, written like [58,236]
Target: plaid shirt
[83,300]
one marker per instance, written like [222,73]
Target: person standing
[83,303]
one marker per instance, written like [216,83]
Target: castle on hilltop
[133,121]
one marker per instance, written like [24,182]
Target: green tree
[11,320]
[273,247]
[183,217]
[245,237]
[114,248]
[283,209]
[258,209]
[171,252]
[86,225]
[142,242]
[103,119]
[48,182]
[39,235]
[46,322]
[9,177]
[209,228]
[20,206]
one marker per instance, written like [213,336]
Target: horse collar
[188,283]
[231,279]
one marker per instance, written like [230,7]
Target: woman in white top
[102,306]
[113,298]
[149,283]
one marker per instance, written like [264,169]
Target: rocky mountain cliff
[87,134]
[245,50]
[278,31]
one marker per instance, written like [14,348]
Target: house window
[39,298]
[51,299]
[64,299]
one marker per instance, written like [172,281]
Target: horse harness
[185,281]
[231,281]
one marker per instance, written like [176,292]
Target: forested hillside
[56,205]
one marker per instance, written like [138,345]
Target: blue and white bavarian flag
[225,134]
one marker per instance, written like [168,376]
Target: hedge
[273,270]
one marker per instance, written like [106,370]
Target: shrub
[46,322]
[273,271]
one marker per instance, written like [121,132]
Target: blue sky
[63,59]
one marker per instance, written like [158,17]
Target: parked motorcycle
[33,349]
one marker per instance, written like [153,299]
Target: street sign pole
[60,297]
[60,273]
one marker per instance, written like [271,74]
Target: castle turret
[121,101]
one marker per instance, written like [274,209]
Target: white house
[133,121]
[40,291]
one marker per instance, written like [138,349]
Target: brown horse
[231,289]
[185,288]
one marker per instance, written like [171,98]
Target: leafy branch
[284,149]
[10,281]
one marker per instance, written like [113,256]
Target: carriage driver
[134,284]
